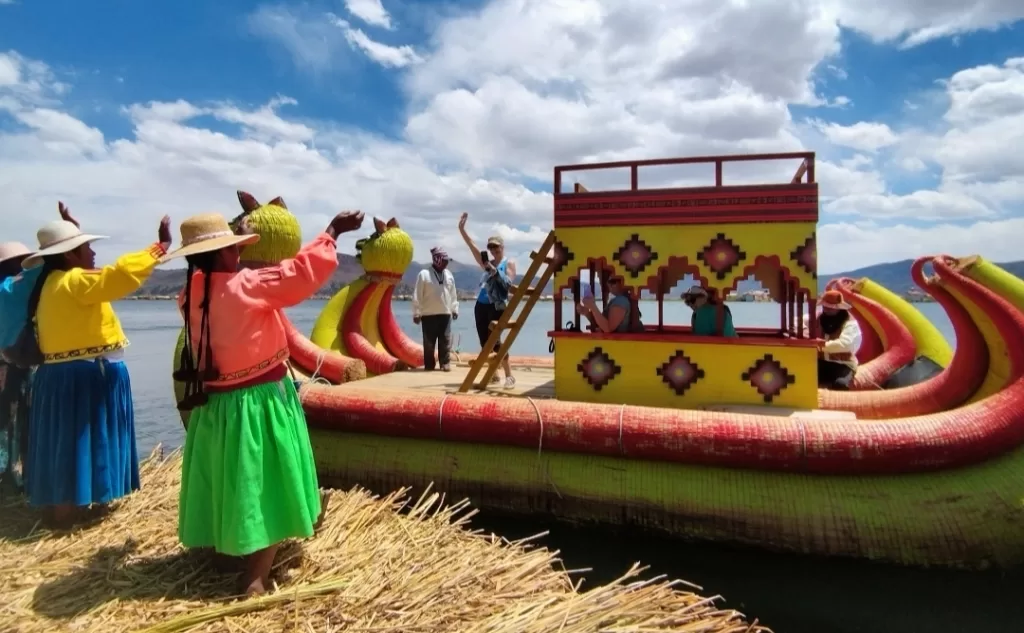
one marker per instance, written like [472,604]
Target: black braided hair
[194,372]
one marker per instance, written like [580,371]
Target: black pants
[484,313]
[437,332]
[834,375]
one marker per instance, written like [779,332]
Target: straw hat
[206,233]
[495,240]
[58,237]
[833,299]
[10,250]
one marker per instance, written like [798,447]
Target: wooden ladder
[510,320]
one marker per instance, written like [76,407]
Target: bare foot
[324,501]
[255,588]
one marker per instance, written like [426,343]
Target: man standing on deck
[434,305]
[841,337]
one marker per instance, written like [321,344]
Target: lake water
[790,594]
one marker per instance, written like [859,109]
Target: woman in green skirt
[248,477]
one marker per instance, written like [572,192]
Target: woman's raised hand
[345,222]
[462,221]
[65,214]
[164,232]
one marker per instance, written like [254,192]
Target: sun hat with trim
[11,250]
[495,240]
[833,299]
[59,236]
[205,233]
[695,291]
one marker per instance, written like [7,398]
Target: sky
[422,110]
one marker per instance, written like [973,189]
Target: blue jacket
[14,295]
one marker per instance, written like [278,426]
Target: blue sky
[424,109]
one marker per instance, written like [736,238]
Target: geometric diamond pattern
[721,256]
[680,373]
[635,255]
[806,256]
[769,377]
[560,256]
[598,368]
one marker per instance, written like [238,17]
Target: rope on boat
[540,421]
[622,413]
[440,416]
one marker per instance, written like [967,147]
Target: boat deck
[539,382]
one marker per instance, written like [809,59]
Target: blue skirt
[81,434]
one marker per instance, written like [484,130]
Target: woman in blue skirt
[82,421]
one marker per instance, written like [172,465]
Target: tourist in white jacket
[840,340]
[434,306]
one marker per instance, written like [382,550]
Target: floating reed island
[391,564]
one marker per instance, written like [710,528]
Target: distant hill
[895,276]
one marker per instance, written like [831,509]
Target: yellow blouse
[75,319]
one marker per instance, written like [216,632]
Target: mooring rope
[440,416]
[622,413]
[540,421]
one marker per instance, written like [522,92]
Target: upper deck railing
[804,174]
[795,200]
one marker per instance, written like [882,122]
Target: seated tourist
[622,314]
[710,316]
[840,340]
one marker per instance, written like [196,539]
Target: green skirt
[248,479]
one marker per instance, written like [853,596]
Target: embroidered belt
[281,355]
[84,352]
[840,356]
[274,375]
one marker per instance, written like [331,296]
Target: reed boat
[920,463]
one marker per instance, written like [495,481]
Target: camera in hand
[484,256]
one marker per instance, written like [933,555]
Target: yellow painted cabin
[652,238]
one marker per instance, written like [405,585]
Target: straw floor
[371,568]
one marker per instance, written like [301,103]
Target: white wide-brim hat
[10,250]
[58,237]
[205,233]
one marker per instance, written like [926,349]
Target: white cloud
[384,54]
[503,93]
[914,22]
[863,136]
[370,11]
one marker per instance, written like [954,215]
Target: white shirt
[434,293]
[848,342]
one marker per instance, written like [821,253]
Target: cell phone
[484,256]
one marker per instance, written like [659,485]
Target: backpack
[25,351]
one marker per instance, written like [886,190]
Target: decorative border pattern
[768,377]
[680,373]
[84,353]
[721,256]
[281,355]
[598,368]
[560,256]
[635,255]
[806,255]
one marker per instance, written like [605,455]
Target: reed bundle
[370,568]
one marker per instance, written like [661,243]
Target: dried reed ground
[369,569]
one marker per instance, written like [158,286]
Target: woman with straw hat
[17,288]
[248,478]
[841,338]
[13,379]
[82,420]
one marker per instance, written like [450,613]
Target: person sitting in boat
[840,340]
[710,317]
[495,283]
[435,304]
[621,314]
[82,418]
[248,478]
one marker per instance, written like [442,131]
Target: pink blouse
[246,331]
